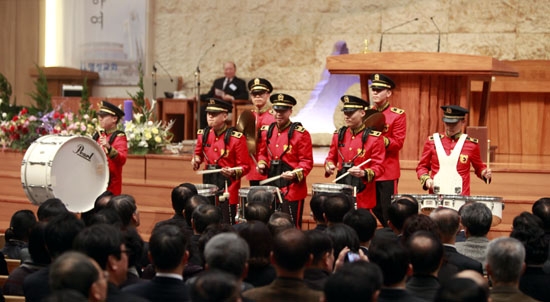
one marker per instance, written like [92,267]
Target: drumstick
[279,195]
[278,176]
[488,157]
[346,174]
[215,170]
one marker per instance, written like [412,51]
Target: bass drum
[73,169]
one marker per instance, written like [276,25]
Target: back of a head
[419,223]
[505,258]
[190,206]
[363,222]
[181,195]
[317,206]
[425,252]
[260,242]
[354,282]
[134,245]
[37,245]
[227,252]
[102,200]
[541,208]
[50,208]
[21,224]
[125,206]
[106,215]
[319,244]
[290,250]
[60,232]
[448,222]
[215,285]
[461,290]
[73,270]
[337,206]
[259,195]
[205,215]
[257,211]
[99,241]
[167,246]
[477,218]
[391,257]
[400,210]
[528,228]
[343,235]
[278,222]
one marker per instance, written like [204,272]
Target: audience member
[50,208]
[203,216]
[336,207]
[76,271]
[461,290]
[354,282]
[39,260]
[190,207]
[476,219]
[448,223]
[364,224]
[136,251]
[125,206]
[17,235]
[257,211]
[393,260]
[215,285]
[322,263]
[262,196]
[169,254]
[99,204]
[290,257]
[528,229]
[317,206]
[59,234]
[541,208]
[477,278]
[107,216]
[343,236]
[260,244]
[104,244]
[278,222]
[426,256]
[181,195]
[398,212]
[418,223]
[505,264]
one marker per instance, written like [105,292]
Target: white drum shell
[495,204]
[73,169]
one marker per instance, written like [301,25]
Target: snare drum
[426,202]
[209,191]
[454,201]
[71,168]
[495,204]
[332,188]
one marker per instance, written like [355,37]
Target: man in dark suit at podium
[228,88]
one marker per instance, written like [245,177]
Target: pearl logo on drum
[80,152]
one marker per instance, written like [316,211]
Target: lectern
[57,76]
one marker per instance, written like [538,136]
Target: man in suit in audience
[125,206]
[426,255]
[477,219]
[180,196]
[169,254]
[541,208]
[358,281]
[290,257]
[104,244]
[505,264]
[228,88]
[398,212]
[364,224]
[58,235]
[448,222]
[320,246]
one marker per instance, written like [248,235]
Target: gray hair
[505,257]
[227,252]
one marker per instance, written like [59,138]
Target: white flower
[4,115]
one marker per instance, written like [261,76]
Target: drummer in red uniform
[444,166]
[393,134]
[352,145]
[286,147]
[260,90]
[220,147]
[113,142]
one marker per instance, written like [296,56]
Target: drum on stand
[334,188]
[453,201]
[243,200]
[209,191]
[73,169]
[426,202]
[495,204]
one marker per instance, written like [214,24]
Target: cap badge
[377,77]
[280,97]
[212,102]
[256,81]
[346,99]
[448,110]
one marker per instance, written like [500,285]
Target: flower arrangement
[147,136]
[21,130]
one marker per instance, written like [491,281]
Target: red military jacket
[263,117]
[235,154]
[394,133]
[299,155]
[350,146]
[116,157]
[470,155]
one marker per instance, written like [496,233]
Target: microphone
[155,70]
[438,33]
[396,26]
[204,54]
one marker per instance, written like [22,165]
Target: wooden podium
[424,82]
[57,76]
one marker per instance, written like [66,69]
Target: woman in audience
[17,235]
[260,243]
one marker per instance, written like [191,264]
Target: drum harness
[279,166]
[111,139]
[350,180]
